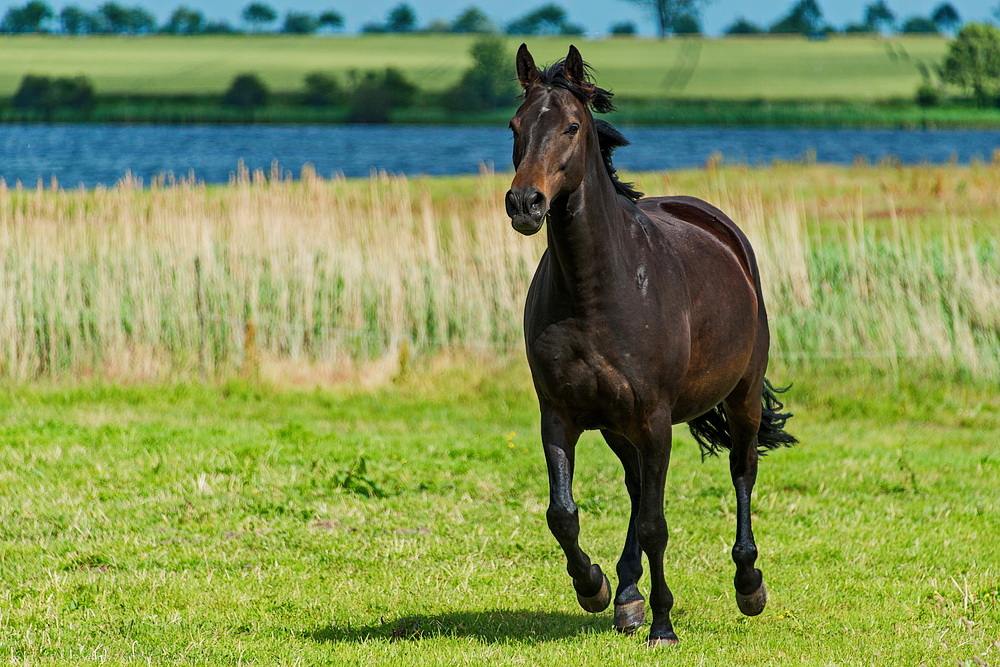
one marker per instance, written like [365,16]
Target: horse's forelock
[586,91]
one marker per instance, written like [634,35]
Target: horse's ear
[527,72]
[574,65]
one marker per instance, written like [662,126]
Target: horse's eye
[573,128]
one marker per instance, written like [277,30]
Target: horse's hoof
[657,642]
[753,604]
[630,616]
[600,601]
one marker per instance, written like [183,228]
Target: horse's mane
[599,100]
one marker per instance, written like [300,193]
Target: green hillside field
[783,81]
[771,68]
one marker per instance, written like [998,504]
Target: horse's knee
[563,520]
[652,534]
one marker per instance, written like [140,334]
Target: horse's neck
[587,237]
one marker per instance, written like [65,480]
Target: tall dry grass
[274,275]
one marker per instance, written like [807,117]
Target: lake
[91,155]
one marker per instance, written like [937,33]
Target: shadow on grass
[491,626]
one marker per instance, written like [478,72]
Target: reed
[873,267]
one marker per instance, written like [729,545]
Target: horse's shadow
[490,626]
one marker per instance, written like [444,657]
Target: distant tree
[73,20]
[185,21]
[259,15]
[623,29]
[487,83]
[401,18]
[322,89]
[300,23]
[247,91]
[375,94]
[373,28]
[946,17]
[686,24]
[742,26]
[120,20]
[45,94]
[919,25]
[973,62]
[472,20]
[928,95]
[804,18]
[666,13]
[879,16]
[331,20]
[32,17]
[74,92]
[547,19]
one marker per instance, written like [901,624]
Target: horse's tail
[712,432]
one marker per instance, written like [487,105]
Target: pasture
[406,525]
[773,69]
[288,422]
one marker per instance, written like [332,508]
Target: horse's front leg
[559,439]
[630,606]
[654,459]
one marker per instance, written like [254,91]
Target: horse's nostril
[535,200]
[511,202]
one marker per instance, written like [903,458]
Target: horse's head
[552,132]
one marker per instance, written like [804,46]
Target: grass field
[288,422]
[768,68]
[405,525]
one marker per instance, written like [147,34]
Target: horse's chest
[589,385]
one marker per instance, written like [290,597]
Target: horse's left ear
[574,65]
[527,72]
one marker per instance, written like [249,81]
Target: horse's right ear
[527,72]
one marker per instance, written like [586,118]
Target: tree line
[805,17]
[670,17]
[365,96]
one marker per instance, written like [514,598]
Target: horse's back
[699,214]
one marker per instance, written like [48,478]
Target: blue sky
[596,15]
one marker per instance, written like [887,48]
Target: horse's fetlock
[745,554]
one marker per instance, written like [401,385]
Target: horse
[643,312]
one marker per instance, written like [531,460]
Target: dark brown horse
[643,313]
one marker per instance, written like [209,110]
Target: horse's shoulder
[699,213]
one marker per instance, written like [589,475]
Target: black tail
[711,430]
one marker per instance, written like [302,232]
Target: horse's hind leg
[593,591]
[630,606]
[743,412]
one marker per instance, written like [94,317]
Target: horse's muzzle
[526,207]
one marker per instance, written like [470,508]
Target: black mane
[609,139]
[599,100]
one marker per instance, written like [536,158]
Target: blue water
[101,154]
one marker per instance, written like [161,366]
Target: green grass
[184,524]
[770,68]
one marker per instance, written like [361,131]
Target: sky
[595,15]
